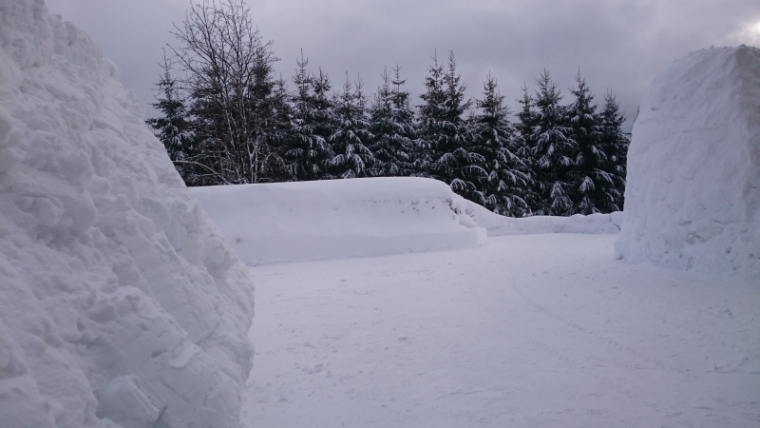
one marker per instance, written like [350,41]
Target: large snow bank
[365,217]
[120,304]
[693,188]
[339,218]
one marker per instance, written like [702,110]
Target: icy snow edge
[120,303]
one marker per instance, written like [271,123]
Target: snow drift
[339,218]
[498,225]
[365,217]
[693,187]
[120,304]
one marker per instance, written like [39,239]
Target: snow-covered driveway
[527,331]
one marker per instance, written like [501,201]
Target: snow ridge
[364,217]
[693,188]
[340,218]
[120,304]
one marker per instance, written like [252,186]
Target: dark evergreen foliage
[553,151]
[589,180]
[503,178]
[353,159]
[615,144]
[308,154]
[392,124]
[173,129]
[430,125]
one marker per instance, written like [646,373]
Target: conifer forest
[225,118]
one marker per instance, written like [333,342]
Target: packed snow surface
[120,303]
[545,331]
[693,188]
[365,217]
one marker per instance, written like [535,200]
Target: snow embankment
[693,187]
[339,218]
[498,225]
[120,304]
[365,217]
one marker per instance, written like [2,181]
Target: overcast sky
[617,44]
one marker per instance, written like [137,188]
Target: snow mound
[120,303]
[366,217]
[498,225]
[340,218]
[693,187]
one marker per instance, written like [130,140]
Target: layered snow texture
[365,217]
[120,304]
[340,218]
[693,187]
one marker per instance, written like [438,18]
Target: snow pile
[366,217]
[693,188]
[120,304]
[340,218]
[498,225]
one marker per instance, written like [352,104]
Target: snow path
[527,331]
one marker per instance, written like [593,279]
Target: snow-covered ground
[535,329]
[525,331]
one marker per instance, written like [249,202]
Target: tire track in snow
[609,342]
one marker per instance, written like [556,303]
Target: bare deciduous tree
[230,91]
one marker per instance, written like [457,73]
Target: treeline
[229,120]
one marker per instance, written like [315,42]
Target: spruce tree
[351,133]
[430,125]
[615,144]
[589,180]
[267,106]
[309,155]
[443,129]
[323,122]
[454,158]
[523,145]
[553,152]
[502,177]
[174,128]
[280,131]
[392,124]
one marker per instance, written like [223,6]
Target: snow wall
[365,217]
[498,225]
[693,186]
[120,303]
[339,218]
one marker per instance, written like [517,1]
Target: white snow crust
[120,303]
[365,217]
[693,189]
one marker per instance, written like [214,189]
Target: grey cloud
[617,44]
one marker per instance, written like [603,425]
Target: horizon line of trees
[230,121]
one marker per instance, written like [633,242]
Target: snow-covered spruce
[693,195]
[120,304]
